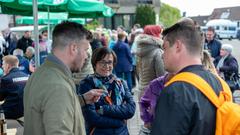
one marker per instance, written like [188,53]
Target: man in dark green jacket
[51,105]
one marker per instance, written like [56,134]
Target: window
[111,1]
[232,28]
[145,1]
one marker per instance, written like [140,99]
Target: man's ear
[72,48]
[179,46]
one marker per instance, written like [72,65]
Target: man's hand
[92,95]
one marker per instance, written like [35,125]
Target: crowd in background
[115,60]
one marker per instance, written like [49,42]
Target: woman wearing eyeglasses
[107,116]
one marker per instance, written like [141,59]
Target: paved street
[135,123]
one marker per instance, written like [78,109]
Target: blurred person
[96,41]
[121,29]
[177,104]
[149,56]
[227,65]
[42,56]
[11,88]
[51,105]
[23,62]
[113,40]
[46,41]
[11,39]
[135,27]
[2,46]
[104,40]
[29,54]
[25,41]
[212,44]
[135,75]
[123,66]
[207,62]
[108,116]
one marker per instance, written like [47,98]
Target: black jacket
[214,47]
[183,110]
[24,43]
[11,90]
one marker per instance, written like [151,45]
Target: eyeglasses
[104,63]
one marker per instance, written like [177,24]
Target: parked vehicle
[19,30]
[238,34]
[224,28]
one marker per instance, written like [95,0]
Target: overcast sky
[200,7]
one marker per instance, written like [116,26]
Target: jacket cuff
[81,100]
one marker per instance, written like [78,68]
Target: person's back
[181,108]
[149,56]
[124,63]
[124,66]
[11,88]
[23,64]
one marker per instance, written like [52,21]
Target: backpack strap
[204,87]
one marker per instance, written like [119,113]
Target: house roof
[231,13]
[201,20]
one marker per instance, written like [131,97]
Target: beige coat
[51,105]
[149,59]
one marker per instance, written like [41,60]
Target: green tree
[92,25]
[145,15]
[169,15]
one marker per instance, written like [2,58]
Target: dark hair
[44,31]
[100,53]
[187,33]
[211,29]
[67,32]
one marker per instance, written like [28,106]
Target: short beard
[75,70]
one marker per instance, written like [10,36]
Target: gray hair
[18,52]
[31,49]
[227,47]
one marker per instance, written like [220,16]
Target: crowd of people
[85,85]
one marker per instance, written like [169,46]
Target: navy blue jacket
[23,64]
[112,120]
[124,57]
[11,91]
[214,47]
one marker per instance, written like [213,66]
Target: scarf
[220,64]
[113,87]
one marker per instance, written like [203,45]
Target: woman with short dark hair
[107,116]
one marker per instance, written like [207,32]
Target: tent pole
[36,38]
[48,22]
